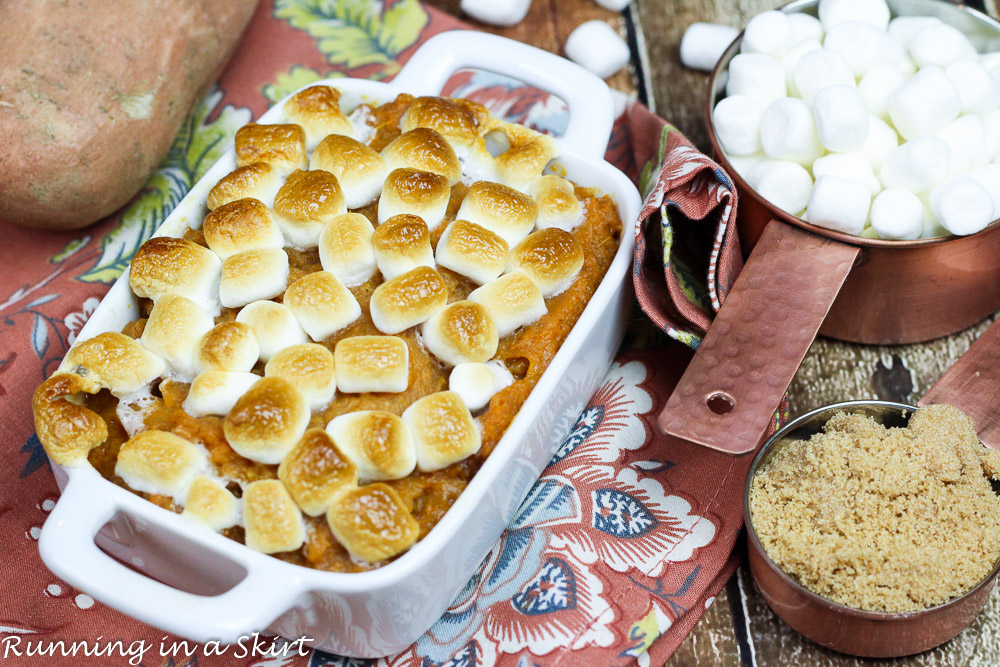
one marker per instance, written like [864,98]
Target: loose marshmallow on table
[769,33]
[863,46]
[737,123]
[977,89]
[881,141]
[851,166]
[873,12]
[841,118]
[839,204]
[614,5]
[916,165]
[876,86]
[497,12]
[596,46]
[924,104]
[785,184]
[962,205]
[897,214]
[758,76]
[818,69]
[966,137]
[940,44]
[788,131]
[704,43]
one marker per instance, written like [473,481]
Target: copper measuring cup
[836,626]
[802,279]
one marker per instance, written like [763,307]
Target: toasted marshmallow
[473,251]
[443,430]
[274,326]
[244,224]
[165,265]
[420,193]
[305,204]
[281,146]
[173,331]
[512,300]
[426,150]
[253,275]
[372,364]
[322,304]
[478,383]
[309,367]
[160,462]
[449,118]
[557,203]
[114,361]
[258,181]
[463,331]
[360,170]
[272,520]
[229,346]
[267,420]
[211,504]
[378,443]
[500,209]
[407,300]
[315,472]
[346,250]
[317,110]
[401,244]
[523,163]
[216,392]
[372,523]
[551,257]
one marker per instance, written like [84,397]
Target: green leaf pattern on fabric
[288,82]
[356,33]
[195,149]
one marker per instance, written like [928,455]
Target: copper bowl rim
[816,598]
[776,212]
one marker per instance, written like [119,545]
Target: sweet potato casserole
[323,364]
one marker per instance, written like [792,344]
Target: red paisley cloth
[635,595]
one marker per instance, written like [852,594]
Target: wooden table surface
[739,628]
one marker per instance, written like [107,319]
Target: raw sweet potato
[92,93]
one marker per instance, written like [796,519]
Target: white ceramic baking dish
[205,587]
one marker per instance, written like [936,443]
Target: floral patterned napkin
[619,547]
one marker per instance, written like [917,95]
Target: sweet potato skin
[92,94]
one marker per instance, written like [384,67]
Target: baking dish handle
[68,549]
[591,106]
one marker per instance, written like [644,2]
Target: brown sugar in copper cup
[857,632]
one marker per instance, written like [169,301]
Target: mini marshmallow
[873,12]
[497,12]
[991,61]
[791,59]
[346,249]
[758,76]
[805,28]
[881,141]
[978,90]
[745,164]
[962,206]
[932,228]
[614,5]
[863,46]
[916,165]
[876,86]
[966,137]
[596,46]
[785,184]
[378,443]
[216,392]
[253,275]
[841,118]
[852,166]
[940,44]
[477,383]
[818,69]
[401,244]
[769,33]
[897,214]
[321,304]
[788,131]
[988,176]
[991,129]
[174,329]
[737,124]
[704,43]
[310,368]
[903,28]
[839,204]
[273,324]
[924,104]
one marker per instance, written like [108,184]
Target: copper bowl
[863,633]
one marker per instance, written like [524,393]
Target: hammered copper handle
[972,385]
[729,392]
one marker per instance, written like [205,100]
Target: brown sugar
[882,519]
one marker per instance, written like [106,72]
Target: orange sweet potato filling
[527,353]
